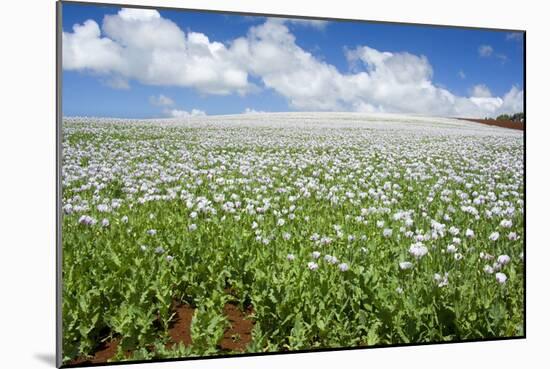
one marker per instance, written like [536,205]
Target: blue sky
[468,72]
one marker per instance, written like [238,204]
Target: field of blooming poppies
[324,229]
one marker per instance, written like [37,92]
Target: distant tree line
[517,117]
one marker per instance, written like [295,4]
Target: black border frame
[59,117]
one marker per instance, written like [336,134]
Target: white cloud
[502,57]
[269,51]
[153,50]
[480,91]
[166,102]
[488,105]
[485,51]
[461,74]
[252,111]
[381,82]
[132,14]
[161,100]
[313,23]
[512,101]
[176,113]
[117,83]
[514,36]
[141,45]
[84,48]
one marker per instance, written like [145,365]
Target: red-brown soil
[236,337]
[180,328]
[499,123]
[239,334]
[104,352]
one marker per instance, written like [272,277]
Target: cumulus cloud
[381,82]
[512,102]
[485,51]
[177,113]
[270,53]
[139,44]
[480,91]
[84,48]
[161,100]
[488,105]
[132,14]
[143,46]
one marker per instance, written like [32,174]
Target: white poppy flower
[343,267]
[501,278]
[87,220]
[103,208]
[312,266]
[451,249]
[331,259]
[488,269]
[503,259]
[418,250]
[442,281]
[485,256]
[506,223]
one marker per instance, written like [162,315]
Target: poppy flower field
[324,229]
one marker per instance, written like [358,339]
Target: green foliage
[112,287]
[517,117]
